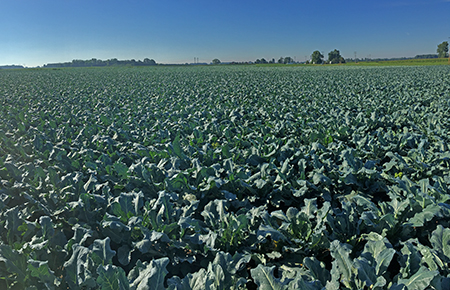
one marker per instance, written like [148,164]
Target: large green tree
[442,49]
[317,57]
[148,61]
[335,57]
[288,59]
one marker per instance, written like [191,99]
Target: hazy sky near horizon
[36,32]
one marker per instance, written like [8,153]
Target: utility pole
[355,56]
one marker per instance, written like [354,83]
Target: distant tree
[272,60]
[317,57]
[288,59]
[262,60]
[216,61]
[149,61]
[442,49]
[281,60]
[113,61]
[335,57]
[93,62]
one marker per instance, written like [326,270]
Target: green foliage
[112,278]
[152,276]
[265,279]
[419,281]
[225,177]
[13,265]
[317,57]
[335,57]
[442,49]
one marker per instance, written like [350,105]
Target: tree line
[98,62]
[281,60]
[316,58]
[335,57]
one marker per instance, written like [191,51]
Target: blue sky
[35,32]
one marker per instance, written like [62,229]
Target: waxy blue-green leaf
[120,169]
[127,205]
[42,272]
[114,228]
[12,223]
[410,259]
[13,263]
[177,147]
[101,252]
[379,251]
[112,278]
[366,275]
[80,268]
[152,277]
[317,269]
[420,280]
[46,226]
[13,171]
[426,215]
[265,231]
[264,278]
[124,254]
[342,262]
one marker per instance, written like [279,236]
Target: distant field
[178,177]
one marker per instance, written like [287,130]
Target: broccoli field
[225,177]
